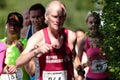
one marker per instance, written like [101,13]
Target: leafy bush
[111,30]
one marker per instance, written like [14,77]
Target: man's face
[55,18]
[36,18]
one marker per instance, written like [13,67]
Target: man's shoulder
[71,35]
[38,32]
[36,36]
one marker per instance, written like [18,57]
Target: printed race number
[99,66]
[8,77]
[54,75]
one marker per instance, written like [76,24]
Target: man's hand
[10,69]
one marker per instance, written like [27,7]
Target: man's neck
[54,33]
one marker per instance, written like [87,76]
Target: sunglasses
[14,17]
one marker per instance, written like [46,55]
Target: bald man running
[53,46]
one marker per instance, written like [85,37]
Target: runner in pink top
[2,55]
[93,46]
[98,67]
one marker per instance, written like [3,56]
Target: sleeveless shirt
[56,65]
[98,68]
[13,53]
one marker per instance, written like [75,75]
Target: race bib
[54,75]
[19,74]
[99,66]
[15,76]
[8,77]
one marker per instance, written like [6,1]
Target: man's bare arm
[27,57]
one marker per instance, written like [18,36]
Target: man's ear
[46,18]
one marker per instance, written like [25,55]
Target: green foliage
[111,30]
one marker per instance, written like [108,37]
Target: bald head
[57,6]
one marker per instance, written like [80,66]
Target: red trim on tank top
[47,38]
